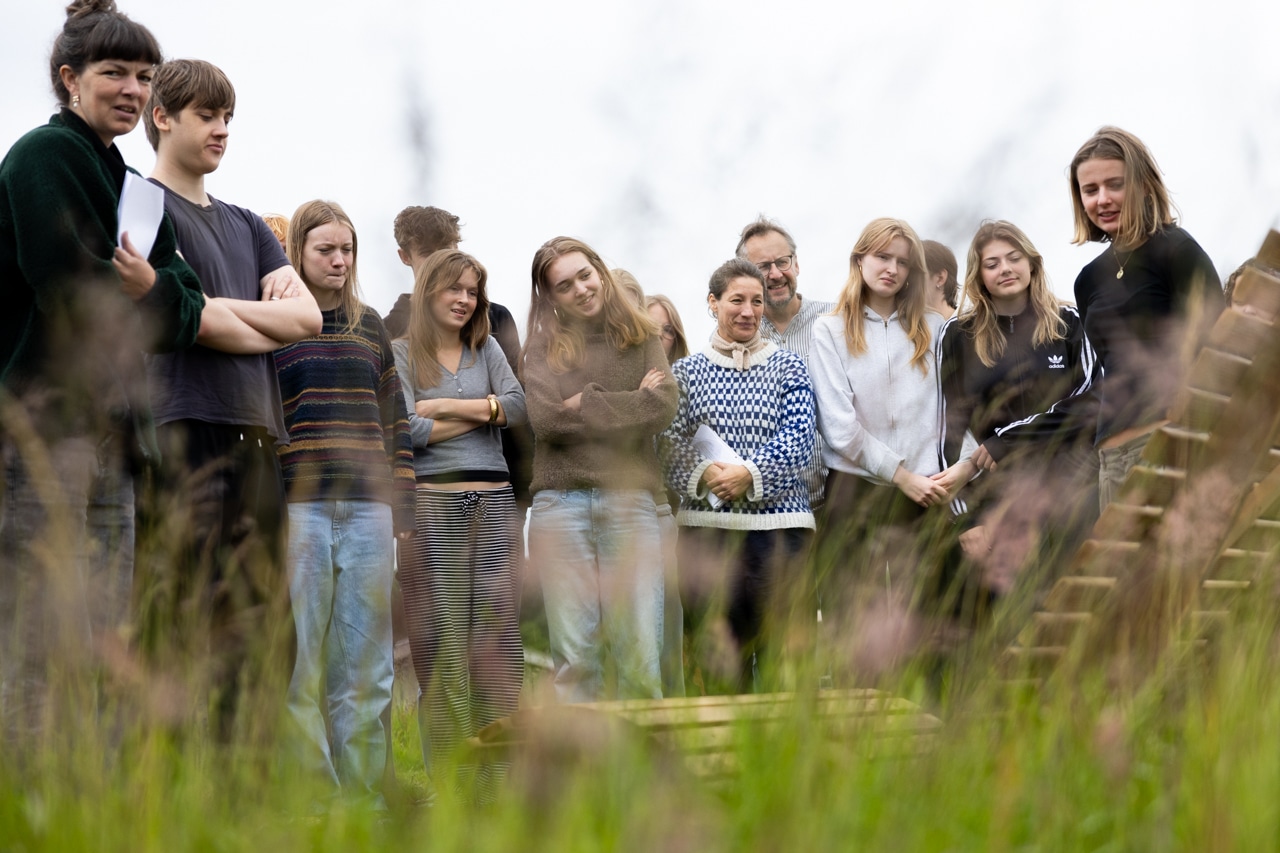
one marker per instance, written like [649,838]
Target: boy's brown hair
[425,230]
[182,83]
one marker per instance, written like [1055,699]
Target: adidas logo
[1055,362]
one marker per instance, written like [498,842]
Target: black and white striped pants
[460,574]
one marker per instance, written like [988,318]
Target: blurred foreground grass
[1190,760]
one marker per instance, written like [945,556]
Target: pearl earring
[75,101]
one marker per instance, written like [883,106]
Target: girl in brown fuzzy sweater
[598,389]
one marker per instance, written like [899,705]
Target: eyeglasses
[783,264]
[668,331]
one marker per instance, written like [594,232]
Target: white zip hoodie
[877,411]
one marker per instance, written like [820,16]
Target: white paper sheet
[707,442]
[140,212]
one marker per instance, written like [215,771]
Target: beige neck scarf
[739,352]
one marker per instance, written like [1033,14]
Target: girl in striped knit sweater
[349,473]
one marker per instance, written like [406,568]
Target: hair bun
[81,8]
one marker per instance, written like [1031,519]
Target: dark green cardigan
[70,340]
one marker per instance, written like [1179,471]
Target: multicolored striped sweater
[348,427]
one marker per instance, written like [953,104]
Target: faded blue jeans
[340,560]
[672,610]
[599,555]
[1114,465]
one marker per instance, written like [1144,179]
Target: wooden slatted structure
[703,731]
[1196,521]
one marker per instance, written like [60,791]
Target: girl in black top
[1016,370]
[1146,301]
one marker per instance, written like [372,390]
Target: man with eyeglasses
[788,317]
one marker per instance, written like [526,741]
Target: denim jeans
[66,567]
[1114,464]
[672,610]
[340,564]
[599,555]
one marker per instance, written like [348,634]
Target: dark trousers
[66,566]
[872,534]
[215,593]
[758,574]
[882,552]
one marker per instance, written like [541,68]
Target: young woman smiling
[1146,301]
[1015,369]
[599,390]
[746,524]
[461,573]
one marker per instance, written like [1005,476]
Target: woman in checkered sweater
[745,514]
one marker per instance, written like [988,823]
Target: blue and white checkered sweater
[765,413]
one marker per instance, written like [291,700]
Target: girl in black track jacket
[1016,370]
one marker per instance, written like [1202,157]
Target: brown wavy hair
[625,323]
[182,83]
[442,270]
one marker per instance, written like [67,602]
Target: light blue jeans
[672,610]
[599,555]
[340,558]
[1114,465]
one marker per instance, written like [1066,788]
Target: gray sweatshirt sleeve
[504,384]
[419,428]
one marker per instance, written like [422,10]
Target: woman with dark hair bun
[1145,301]
[81,307]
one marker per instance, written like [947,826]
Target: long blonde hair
[979,318]
[625,323]
[909,301]
[441,270]
[310,216]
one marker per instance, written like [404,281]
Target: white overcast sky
[656,130]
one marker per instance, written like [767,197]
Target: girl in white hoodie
[876,387]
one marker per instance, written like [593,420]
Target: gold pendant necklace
[1120,272]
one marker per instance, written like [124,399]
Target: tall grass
[1187,758]
[1190,760]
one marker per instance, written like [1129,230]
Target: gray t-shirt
[472,454]
[230,249]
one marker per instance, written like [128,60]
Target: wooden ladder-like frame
[1196,522]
